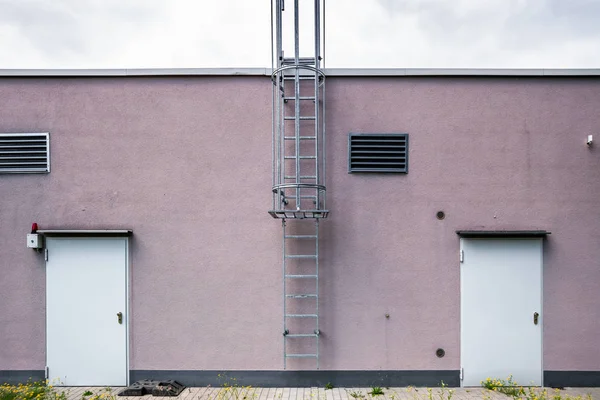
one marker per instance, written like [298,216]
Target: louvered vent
[24,153]
[372,152]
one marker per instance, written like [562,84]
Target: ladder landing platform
[299,214]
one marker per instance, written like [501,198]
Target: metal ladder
[299,182]
[301,291]
[300,169]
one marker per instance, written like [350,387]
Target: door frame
[58,234]
[513,235]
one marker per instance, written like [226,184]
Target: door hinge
[47,372]
[462,374]
[462,256]
[46,254]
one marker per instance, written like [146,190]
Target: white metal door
[86,288]
[501,291]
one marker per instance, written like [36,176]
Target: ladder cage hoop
[278,74]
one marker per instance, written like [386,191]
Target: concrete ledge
[14,377]
[303,378]
[560,379]
[466,72]
[123,72]
[333,72]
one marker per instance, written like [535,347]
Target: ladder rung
[301,276]
[300,236]
[301,355]
[301,60]
[301,315]
[301,177]
[301,157]
[301,77]
[292,197]
[300,98]
[301,137]
[302,335]
[301,296]
[301,256]
[303,118]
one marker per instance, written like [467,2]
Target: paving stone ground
[398,393]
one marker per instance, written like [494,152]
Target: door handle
[535,318]
[120,317]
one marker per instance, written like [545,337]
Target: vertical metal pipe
[272,44]
[273,128]
[317,285]
[280,99]
[323,146]
[284,298]
[281,139]
[279,86]
[297,96]
[324,32]
[279,28]
[296,32]
[317,33]
[316,144]
[273,153]
[316,111]
[297,133]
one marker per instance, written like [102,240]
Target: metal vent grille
[24,153]
[374,152]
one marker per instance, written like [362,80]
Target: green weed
[511,388]
[40,390]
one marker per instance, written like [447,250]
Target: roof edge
[134,72]
[461,72]
[502,233]
[85,232]
[338,72]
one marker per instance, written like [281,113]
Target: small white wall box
[35,241]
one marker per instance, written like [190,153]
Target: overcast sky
[359,33]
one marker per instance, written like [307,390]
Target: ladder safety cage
[299,170]
[298,184]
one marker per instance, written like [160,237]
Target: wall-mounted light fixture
[34,239]
[590,140]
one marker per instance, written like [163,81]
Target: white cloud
[360,33]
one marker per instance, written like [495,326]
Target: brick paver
[392,393]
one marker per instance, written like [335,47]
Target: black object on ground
[168,388]
[156,388]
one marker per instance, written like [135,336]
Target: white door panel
[86,288]
[501,289]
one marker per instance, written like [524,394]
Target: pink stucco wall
[185,163]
